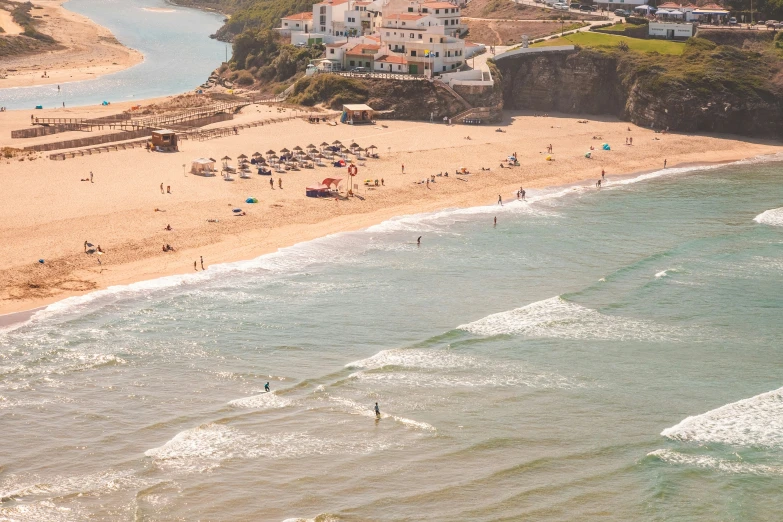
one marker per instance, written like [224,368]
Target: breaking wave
[772,217]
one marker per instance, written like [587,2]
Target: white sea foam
[15,487]
[708,462]
[757,421]
[445,369]
[665,273]
[354,408]
[556,317]
[205,447]
[772,217]
[263,401]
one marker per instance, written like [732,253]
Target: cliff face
[735,94]
[411,100]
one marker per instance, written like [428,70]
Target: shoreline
[90,51]
[16,318]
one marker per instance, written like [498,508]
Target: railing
[380,75]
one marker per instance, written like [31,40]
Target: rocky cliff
[709,89]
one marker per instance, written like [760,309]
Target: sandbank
[48,213]
[87,51]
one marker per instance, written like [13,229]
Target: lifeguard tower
[164,140]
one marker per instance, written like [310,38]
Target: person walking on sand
[603,174]
[280,182]
[377,411]
[194,266]
[91,177]
[500,200]
[630,140]
[272,183]
[161,188]
[168,189]
[403,168]
[202,262]
[664,163]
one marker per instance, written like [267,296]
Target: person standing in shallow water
[377,411]
[418,241]
[266,387]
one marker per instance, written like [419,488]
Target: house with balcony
[299,23]
[425,42]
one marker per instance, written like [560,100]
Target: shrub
[245,78]
[622,45]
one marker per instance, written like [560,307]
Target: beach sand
[88,50]
[48,213]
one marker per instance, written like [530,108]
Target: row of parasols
[299,154]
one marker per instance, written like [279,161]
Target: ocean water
[599,355]
[178,55]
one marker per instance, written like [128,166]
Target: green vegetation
[21,15]
[621,29]
[250,14]
[705,69]
[263,55]
[608,42]
[332,89]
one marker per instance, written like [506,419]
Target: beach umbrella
[213,160]
[284,150]
[337,142]
[225,160]
[256,154]
[354,145]
[311,147]
[324,144]
[372,147]
[298,148]
[242,156]
[270,152]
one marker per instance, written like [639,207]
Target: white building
[426,43]
[670,30]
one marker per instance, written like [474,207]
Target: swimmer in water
[377,411]
[266,387]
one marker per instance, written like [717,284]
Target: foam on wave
[355,408]
[556,317]
[205,447]
[713,463]
[445,369]
[772,217]
[263,401]
[757,421]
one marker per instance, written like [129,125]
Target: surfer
[266,387]
[377,411]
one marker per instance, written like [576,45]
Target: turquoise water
[178,55]
[599,355]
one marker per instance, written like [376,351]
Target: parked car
[561,7]
[360,69]
[620,12]
[587,8]
[732,21]
[574,5]
[771,23]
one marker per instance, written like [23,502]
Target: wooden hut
[357,113]
[164,140]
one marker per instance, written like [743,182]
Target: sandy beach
[48,213]
[88,50]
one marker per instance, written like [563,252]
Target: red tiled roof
[392,59]
[308,15]
[359,49]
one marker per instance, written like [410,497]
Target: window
[331,51]
[444,67]
[437,11]
[412,35]
[430,39]
[419,36]
[410,9]
[285,24]
[323,10]
[387,33]
[367,64]
[437,54]
[424,10]
[323,29]
[352,63]
[323,19]
[413,53]
[297,25]
[399,67]
[403,23]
